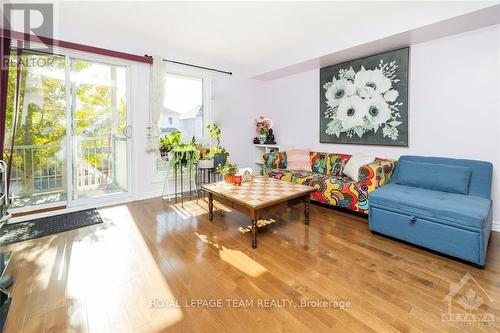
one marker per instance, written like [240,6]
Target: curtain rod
[196,66]
[11,34]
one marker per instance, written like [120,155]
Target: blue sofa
[443,204]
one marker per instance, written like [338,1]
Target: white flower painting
[363,101]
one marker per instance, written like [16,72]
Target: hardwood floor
[125,275]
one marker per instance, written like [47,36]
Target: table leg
[254,234]
[306,208]
[210,206]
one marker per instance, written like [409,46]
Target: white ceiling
[243,33]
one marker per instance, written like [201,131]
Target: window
[183,106]
[186,105]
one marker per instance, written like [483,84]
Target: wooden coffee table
[255,197]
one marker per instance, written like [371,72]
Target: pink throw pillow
[298,159]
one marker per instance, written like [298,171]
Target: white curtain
[157,97]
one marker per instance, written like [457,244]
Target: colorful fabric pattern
[319,162]
[298,177]
[335,189]
[336,164]
[376,174]
[275,160]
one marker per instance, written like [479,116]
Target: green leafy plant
[186,153]
[215,132]
[213,151]
[228,169]
[170,141]
[216,153]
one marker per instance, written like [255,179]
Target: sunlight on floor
[189,209]
[115,275]
[39,199]
[193,208]
[242,262]
[237,259]
[260,223]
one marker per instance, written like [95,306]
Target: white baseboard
[147,195]
[496,226]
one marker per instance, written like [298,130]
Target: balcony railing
[36,169]
[40,170]
[95,156]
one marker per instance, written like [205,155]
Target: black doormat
[45,226]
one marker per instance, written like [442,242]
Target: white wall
[454,104]
[236,101]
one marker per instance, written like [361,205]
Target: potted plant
[262,127]
[168,143]
[228,170]
[206,160]
[217,153]
[186,154]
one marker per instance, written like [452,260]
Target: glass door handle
[128,131]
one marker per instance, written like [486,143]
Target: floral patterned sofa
[332,186]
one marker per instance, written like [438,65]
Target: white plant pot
[205,164]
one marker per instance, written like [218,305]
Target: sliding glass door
[71,142]
[39,169]
[99,114]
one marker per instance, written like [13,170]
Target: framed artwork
[365,101]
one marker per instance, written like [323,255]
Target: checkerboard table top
[260,191]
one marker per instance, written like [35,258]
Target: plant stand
[206,176]
[179,169]
[203,176]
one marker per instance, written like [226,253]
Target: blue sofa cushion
[480,182]
[451,208]
[439,177]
